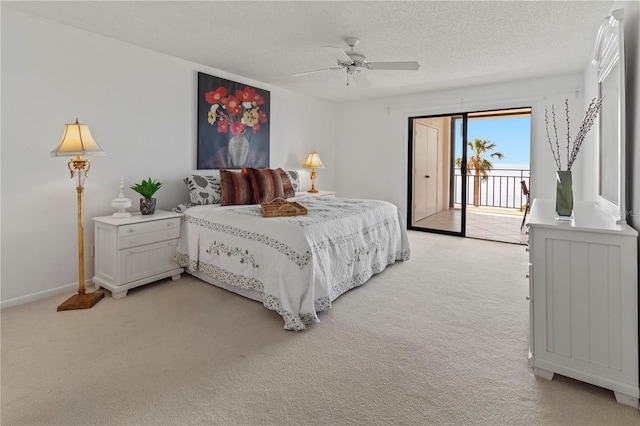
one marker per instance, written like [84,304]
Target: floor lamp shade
[313,162]
[77,141]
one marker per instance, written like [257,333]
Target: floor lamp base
[81,301]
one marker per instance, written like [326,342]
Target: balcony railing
[501,188]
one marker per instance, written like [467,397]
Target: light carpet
[441,339]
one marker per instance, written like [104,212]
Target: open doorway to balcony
[466,174]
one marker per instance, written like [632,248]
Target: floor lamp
[77,142]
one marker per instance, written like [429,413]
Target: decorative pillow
[235,188]
[203,189]
[287,186]
[294,177]
[266,184]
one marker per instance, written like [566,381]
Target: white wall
[141,108]
[371,154]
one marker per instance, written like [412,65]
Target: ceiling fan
[356,62]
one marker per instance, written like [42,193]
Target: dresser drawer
[139,239]
[152,226]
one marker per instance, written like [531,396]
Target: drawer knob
[169,223]
[528,298]
[527,275]
[132,230]
[526,249]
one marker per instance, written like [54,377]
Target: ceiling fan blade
[361,80]
[295,74]
[409,65]
[340,54]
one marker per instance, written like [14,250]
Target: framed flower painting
[233,124]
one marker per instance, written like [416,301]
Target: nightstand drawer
[138,239]
[144,261]
[152,226]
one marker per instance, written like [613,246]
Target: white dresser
[583,292]
[133,251]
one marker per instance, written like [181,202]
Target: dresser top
[137,218]
[588,217]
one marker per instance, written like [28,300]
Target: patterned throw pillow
[294,177]
[203,189]
[287,186]
[235,188]
[266,184]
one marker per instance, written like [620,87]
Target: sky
[511,135]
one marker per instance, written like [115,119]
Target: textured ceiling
[458,43]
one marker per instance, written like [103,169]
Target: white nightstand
[137,250]
[317,194]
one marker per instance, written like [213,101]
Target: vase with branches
[564,190]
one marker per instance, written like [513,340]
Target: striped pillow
[287,185]
[235,188]
[266,184]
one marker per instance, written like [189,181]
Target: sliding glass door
[469,173]
[437,176]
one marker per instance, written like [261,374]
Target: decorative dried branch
[566,109]
[555,130]
[556,158]
[572,149]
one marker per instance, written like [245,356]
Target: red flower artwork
[246,95]
[233,106]
[216,96]
[223,127]
[235,113]
[237,128]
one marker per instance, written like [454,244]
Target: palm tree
[480,165]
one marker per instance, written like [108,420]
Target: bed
[298,265]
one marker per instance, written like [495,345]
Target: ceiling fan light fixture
[352,42]
[355,62]
[357,58]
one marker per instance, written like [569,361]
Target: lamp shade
[77,140]
[313,161]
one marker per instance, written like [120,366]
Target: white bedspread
[301,263]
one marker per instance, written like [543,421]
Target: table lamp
[313,162]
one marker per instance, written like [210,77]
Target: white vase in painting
[238,150]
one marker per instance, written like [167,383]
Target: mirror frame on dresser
[609,60]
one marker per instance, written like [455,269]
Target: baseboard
[68,288]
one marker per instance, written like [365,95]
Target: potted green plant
[147,188]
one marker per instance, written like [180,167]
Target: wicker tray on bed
[280,207]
